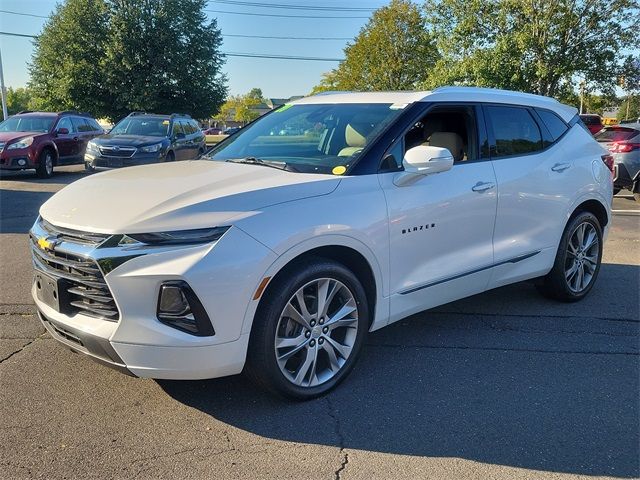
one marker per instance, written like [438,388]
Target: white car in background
[277,255]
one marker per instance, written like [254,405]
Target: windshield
[616,134]
[27,124]
[310,138]
[151,127]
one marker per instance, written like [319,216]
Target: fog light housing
[180,308]
[22,162]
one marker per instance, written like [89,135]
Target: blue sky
[276,78]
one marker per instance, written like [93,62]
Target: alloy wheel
[48,164]
[583,252]
[316,332]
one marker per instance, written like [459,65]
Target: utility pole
[582,85]
[3,91]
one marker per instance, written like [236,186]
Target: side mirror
[424,160]
[62,131]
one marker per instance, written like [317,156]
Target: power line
[23,14]
[283,16]
[224,35]
[287,38]
[294,7]
[232,54]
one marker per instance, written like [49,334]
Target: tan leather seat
[355,135]
[449,140]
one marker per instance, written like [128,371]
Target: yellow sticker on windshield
[339,170]
[165,122]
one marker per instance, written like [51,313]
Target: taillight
[624,147]
[608,161]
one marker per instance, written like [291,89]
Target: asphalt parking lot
[504,385]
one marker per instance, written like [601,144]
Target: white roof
[445,94]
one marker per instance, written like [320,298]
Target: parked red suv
[42,140]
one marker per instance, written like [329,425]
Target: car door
[441,225]
[84,133]
[179,140]
[67,143]
[536,184]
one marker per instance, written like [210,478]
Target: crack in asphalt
[18,351]
[497,349]
[523,315]
[338,431]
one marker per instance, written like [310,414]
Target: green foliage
[540,46]
[110,57]
[393,51]
[19,99]
[629,108]
[68,64]
[241,108]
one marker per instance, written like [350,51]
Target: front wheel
[309,329]
[577,261]
[44,168]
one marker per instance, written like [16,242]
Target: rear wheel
[45,164]
[577,261]
[170,157]
[309,330]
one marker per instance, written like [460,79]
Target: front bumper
[224,276]
[97,160]
[18,159]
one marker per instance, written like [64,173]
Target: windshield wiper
[259,161]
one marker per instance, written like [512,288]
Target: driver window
[453,128]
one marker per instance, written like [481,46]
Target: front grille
[73,236]
[115,151]
[88,291]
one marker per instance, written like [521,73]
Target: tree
[19,99]
[393,51]
[241,108]
[539,46]
[110,57]
[68,64]
[164,56]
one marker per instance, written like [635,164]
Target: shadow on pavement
[555,391]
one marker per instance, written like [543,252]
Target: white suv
[279,252]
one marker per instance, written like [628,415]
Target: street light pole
[3,91]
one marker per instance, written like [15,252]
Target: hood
[127,140]
[177,196]
[9,136]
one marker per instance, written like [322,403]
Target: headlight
[22,143]
[201,235]
[151,148]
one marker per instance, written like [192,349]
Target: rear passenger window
[514,130]
[553,123]
[81,125]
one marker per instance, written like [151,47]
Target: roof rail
[331,92]
[133,114]
[180,115]
[75,112]
[24,111]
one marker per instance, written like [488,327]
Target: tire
[578,254]
[170,157]
[45,164]
[305,368]
[616,191]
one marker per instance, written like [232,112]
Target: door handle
[75,139]
[483,186]
[560,167]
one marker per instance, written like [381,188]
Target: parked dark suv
[142,138]
[42,140]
